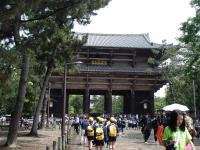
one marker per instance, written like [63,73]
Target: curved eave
[106,47]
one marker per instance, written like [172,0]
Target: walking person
[176,135]
[100,134]
[76,124]
[163,119]
[123,124]
[189,125]
[146,128]
[51,120]
[162,123]
[119,124]
[112,130]
[90,132]
[155,124]
[84,126]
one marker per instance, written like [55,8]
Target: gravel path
[130,140]
[24,142]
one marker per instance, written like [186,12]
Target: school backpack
[90,131]
[112,131]
[99,134]
[159,134]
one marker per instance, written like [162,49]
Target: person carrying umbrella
[176,135]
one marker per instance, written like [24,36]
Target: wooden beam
[104,53]
[107,78]
[113,83]
[102,87]
[107,59]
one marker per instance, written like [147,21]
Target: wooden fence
[57,145]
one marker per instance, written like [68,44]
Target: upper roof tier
[119,41]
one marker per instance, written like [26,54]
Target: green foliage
[76,101]
[191,40]
[181,88]
[117,104]
[155,51]
[98,104]
[159,103]
[8,91]
[31,99]
[75,104]
[46,28]
[185,64]
[152,61]
[9,77]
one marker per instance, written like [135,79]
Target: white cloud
[161,92]
[160,18]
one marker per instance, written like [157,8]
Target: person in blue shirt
[84,125]
[90,132]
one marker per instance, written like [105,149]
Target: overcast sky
[160,18]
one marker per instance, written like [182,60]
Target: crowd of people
[103,129]
[174,130]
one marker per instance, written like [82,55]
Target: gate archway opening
[75,104]
[97,104]
[117,104]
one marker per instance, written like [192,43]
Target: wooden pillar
[67,102]
[108,102]
[132,102]
[126,108]
[86,101]
[152,102]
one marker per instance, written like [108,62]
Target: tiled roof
[119,41]
[108,69]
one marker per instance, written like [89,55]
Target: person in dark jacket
[155,124]
[146,127]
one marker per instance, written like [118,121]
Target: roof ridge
[112,34]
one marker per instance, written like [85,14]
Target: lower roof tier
[118,69]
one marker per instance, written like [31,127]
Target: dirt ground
[24,142]
[130,140]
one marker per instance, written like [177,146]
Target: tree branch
[52,13]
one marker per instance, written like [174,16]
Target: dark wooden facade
[113,65]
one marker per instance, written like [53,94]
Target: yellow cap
[97,118]
[101,120]
[91,119]
[113,120]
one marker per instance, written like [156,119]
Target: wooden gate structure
[114,64]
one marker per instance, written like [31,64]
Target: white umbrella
[175,107]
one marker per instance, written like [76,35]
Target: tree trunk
[197,97]
[40,102]
[13,129]
[44,110]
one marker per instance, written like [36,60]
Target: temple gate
[113,64]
